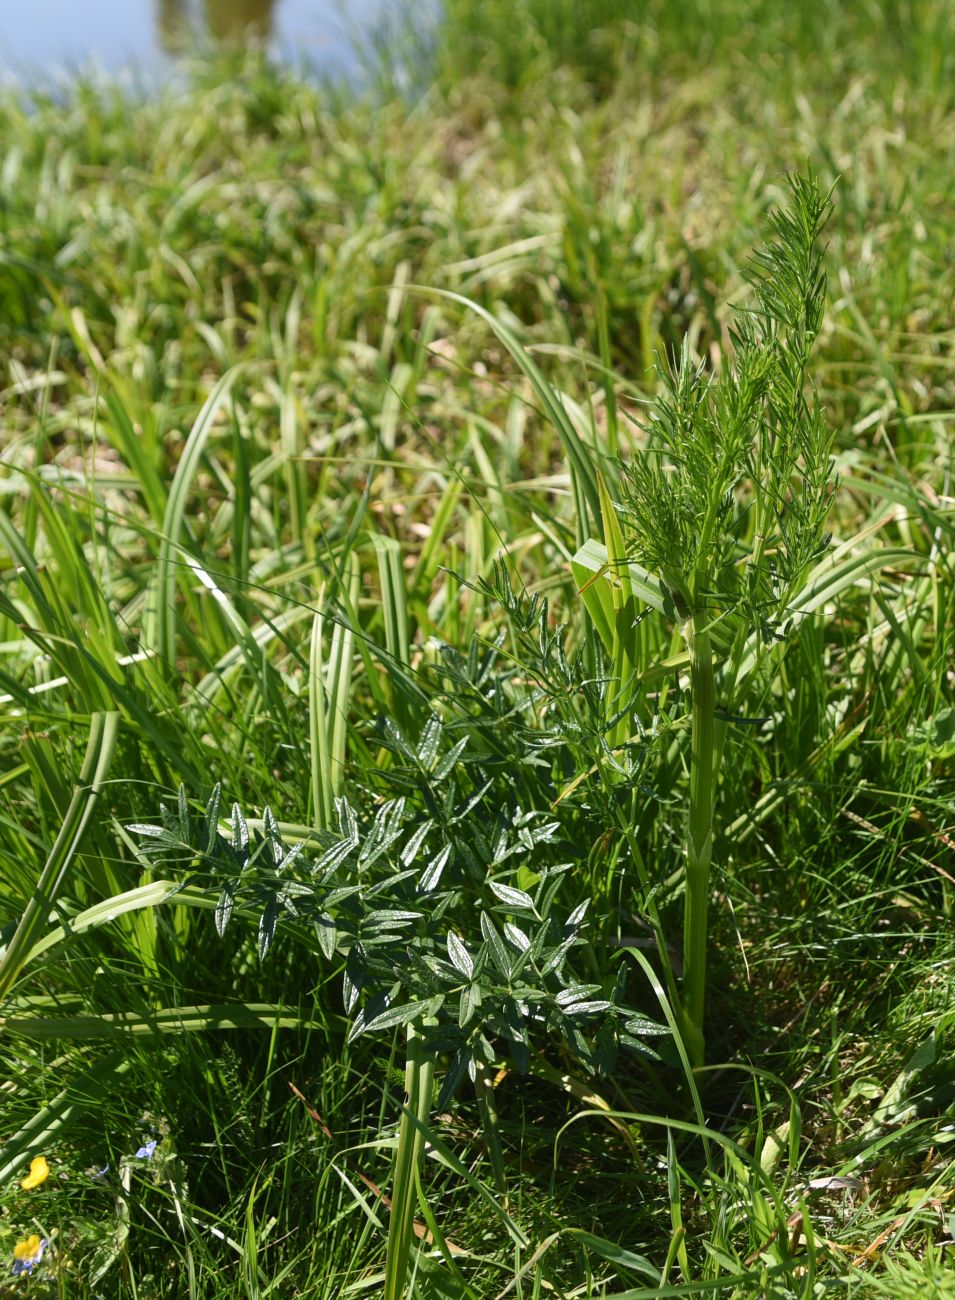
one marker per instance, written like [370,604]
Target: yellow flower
[27,1253]
[39,1173]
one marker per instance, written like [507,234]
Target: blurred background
[144,35]
[808,47]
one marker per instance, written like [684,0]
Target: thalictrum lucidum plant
[726,505]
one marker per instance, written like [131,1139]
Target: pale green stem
[318,728]
[419,1072]
[699,832]
[487,1107]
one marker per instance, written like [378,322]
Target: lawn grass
[273,499]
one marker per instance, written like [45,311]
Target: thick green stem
[699,832]
[419,1072]
[487,1107]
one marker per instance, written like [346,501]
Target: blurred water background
[149,37]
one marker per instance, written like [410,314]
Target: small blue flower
[100,1174]
[146,1152]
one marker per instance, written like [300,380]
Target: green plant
[727,504]
[430,935]
[723,513]
[393,510]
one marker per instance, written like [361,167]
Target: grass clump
[421,645]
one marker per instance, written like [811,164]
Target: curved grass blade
[85,1092]
[96,765]
[581,457]
[165,1020]
[159,624]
